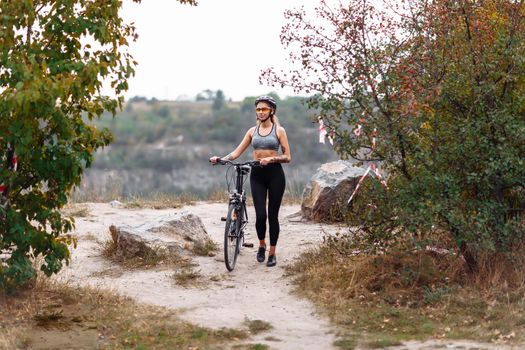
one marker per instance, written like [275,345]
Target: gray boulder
[325,196]
[176,233]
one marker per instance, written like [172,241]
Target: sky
[219,44]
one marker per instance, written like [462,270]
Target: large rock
[176,232]
[325,196]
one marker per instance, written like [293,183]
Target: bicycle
[237,217]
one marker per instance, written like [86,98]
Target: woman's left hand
[265,160]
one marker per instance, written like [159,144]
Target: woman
[267,181]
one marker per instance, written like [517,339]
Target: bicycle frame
[237,213]
[238,196]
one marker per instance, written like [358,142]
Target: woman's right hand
[214,160]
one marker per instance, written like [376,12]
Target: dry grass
[292,200]
[250,347]
[153,257]
[76,210]
[188,277]
[257,326]
[160,201]
[294,193]
[219,196]
[90,236]
[418,295]
[10,337]
[206,248]
[57,315]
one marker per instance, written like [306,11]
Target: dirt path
[251,292]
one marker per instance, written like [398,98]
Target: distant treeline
[146,128]
[164,146]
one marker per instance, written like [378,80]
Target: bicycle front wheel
[231,238]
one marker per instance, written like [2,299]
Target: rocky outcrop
[325,196]
[176,233]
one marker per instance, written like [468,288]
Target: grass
[188,277]
[153,256]
[76,210]
[221,196]
[257,326]
[382,300]
[250,347]
[90,236]
[156,200]
[346,343]
[206,248]
[272,338]
[55,314]
[159,201]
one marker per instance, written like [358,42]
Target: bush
[438,91]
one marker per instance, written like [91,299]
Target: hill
[164,147]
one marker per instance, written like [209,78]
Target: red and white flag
[372,169]
[378,175]
[358,131]
[358,184]
[374,134]
[322,131]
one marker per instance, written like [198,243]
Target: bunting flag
[322,130]
[378,175]
[372,169]
[358,185]
[374,134]
[358,130]
[14,163]
[323,133]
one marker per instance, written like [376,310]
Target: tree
[218,101]
[205,95]
[439,86]
[56,57]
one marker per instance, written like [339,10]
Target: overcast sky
[219,44]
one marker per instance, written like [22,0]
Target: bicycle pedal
[247,245]
[223,218]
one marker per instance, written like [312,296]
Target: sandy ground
[252,291]
[226,299]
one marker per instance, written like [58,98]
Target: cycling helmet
[268,99]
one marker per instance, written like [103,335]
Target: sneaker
[272,261]
[261,254]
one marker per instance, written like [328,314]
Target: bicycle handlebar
[250,163]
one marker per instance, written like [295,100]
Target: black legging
[268,179]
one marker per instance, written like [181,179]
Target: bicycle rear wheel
[231,237]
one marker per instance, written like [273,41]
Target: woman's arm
[239,150]
[286,157]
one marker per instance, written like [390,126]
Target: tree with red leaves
[442,85]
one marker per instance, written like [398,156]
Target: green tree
[440,86]
[205,95]
[55,59]
[218,100]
